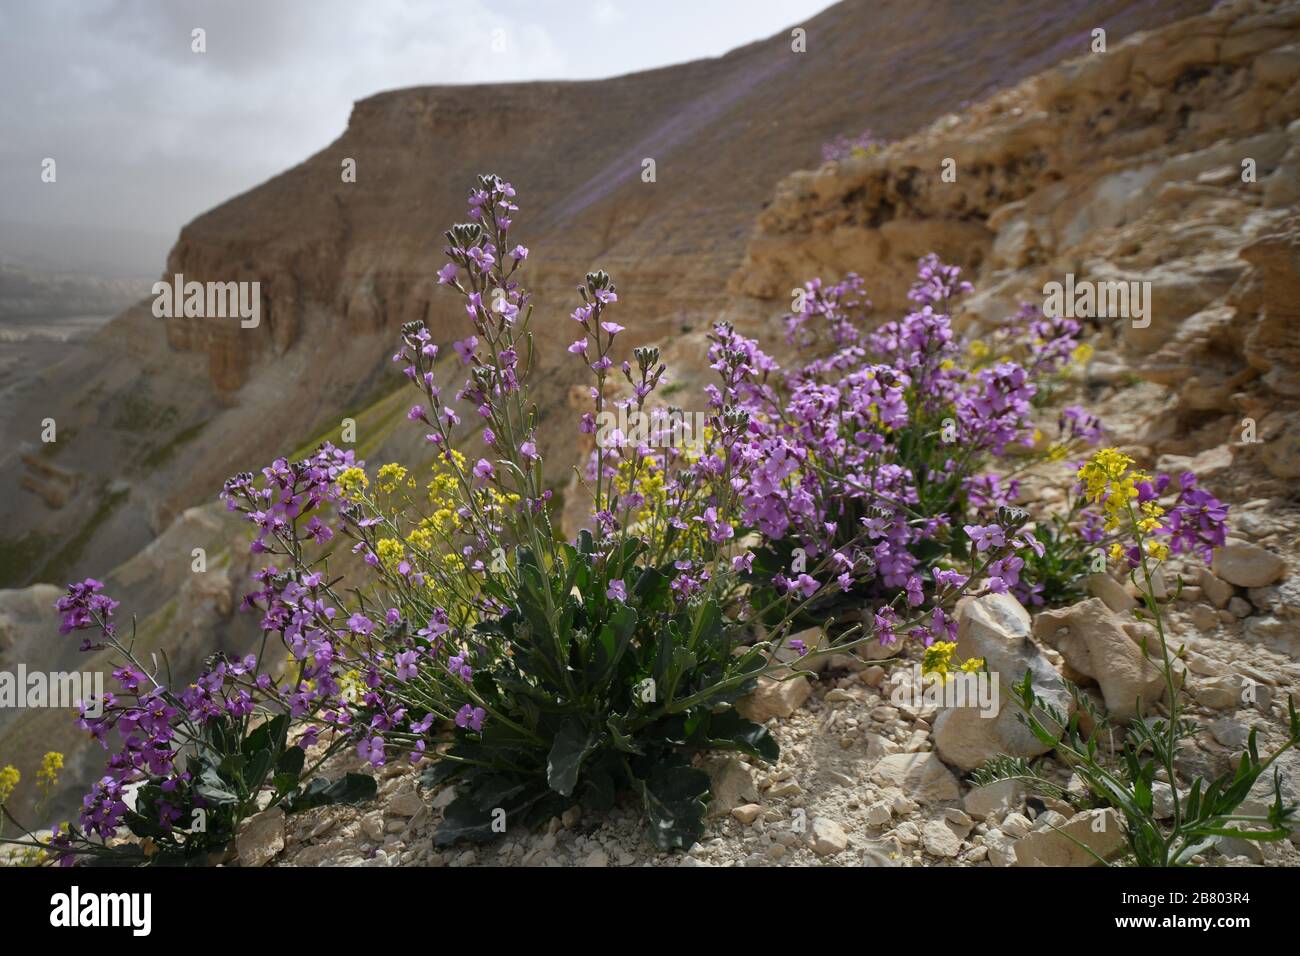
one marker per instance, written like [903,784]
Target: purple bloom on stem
[470,717]
[371,750]
[617,591]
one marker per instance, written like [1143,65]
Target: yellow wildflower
[353,480]
[9,778]
[390,476]
[390,552]
[48,775]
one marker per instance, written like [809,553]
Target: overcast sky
[146,134]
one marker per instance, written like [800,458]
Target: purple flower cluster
[83,608]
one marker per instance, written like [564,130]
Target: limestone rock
[996,628]
[939,839]
[921,776]
[1111,592]
[731,783]
[1098,830]
[774,698]
[260,837]
[1213,587]
[996,798]
[826,837]
[1248,565]
[1094,644]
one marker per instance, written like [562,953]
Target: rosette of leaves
[595,697]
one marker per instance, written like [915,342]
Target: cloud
[147,133]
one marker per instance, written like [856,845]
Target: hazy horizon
[147,134]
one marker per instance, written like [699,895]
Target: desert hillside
[1126,163]
[342,265]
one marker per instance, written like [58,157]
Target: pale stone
[826,837]
[260,837]
[921,776]
[1248,565]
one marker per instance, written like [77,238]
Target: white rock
[1215,588]
[1094,643]
[1111,592]
[1248,565]
[405,803]
[1016,825]
[996,628]
[731,783]
[921,776]
[372,826]
[995,799]
[1230,733]
[1100,831]
[939,840]
[774,698]
[879,814]
[260,837]
[826,837]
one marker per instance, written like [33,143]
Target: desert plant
[193,761]
[1124,780]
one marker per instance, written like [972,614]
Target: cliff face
[1171,159]
[721,133]
[159,416]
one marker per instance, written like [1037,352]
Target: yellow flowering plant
[1146,531]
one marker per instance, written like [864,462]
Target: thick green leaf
[676,798]
[728,730]
[571,746]
[350,788]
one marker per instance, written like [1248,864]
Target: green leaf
[265,736]
[729,731]
[350,788]
[215,790]
[491,803]
[572,744]
[676,798]
[291,761]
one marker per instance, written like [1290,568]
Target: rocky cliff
[1173,159]
[1054,163]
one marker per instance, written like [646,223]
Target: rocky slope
[1122,164]
[343,264]
[1127,165]
[1173,158]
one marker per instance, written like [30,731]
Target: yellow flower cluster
[48,775]
[391,477]
[9,778]
[938,660]
[352,481]
[1109,481]
[650,480]
[390,552]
